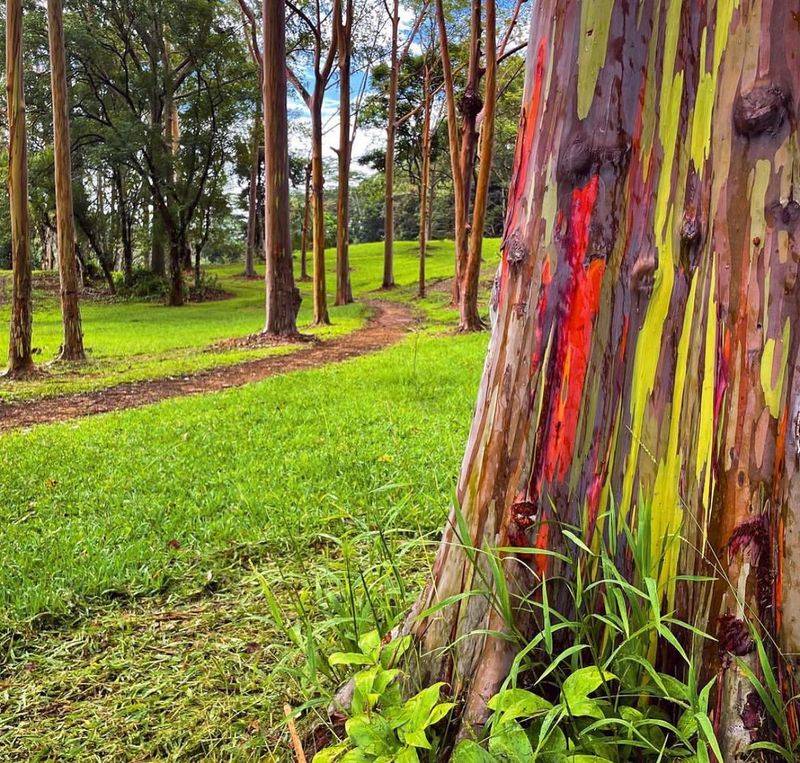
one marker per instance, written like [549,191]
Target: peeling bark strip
[646,342]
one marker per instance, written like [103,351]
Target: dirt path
[389,322]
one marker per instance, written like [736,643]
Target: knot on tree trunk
[762,111]
[471,103]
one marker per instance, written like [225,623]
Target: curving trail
[387,325]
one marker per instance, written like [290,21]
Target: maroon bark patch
[734,636]
[753,715]
[752,539]
[523,515]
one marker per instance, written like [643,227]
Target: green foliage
[586,687]
[383,727]
[144,284]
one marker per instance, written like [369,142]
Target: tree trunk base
[21,372]
[70,356]
[471,326]
[388,286]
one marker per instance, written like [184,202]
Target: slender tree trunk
[321,317]
[470,107]
[344,292]
[306,222]
[177,249]
[72,346]
[157,259]
[197,271]
[20,359]
[425,177]
[283,297]
[391,128]
[47,236]
[459,212]
[471,272]
[252,206]
[126,224]
[170,215]
[644,354]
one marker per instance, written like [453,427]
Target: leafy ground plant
[590,686]
[383,726]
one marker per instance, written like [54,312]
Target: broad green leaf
[415,738]
[421,705]
[518,703]
[471,752]
[407,755]
[371,734]
[586,708]
[509,741]
[349,658]
[583,682]
[439,712]
[383,679]
[394,650]
[370,644]
[330,754]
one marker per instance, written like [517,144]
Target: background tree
[395,63]
[318,25]
[20,358]
[72,346]
[344,36]
[255,157]
[283,298]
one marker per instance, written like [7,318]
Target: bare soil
[389,322]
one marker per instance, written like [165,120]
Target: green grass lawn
[91,507]
[132,340]
[133,623]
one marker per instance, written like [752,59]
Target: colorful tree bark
[72,345]
[645,349]
[20,359]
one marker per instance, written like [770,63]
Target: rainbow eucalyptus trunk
[645,348]
[20,358]
[344,291]
[425,176]
[470,320]
[304,233]
[321,317]
[283,297]
[391,130]
[72,345]
[252,201]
